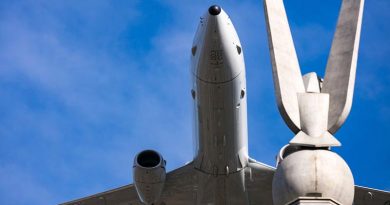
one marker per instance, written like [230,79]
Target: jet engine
[149,176]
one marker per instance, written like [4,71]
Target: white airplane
[221,173]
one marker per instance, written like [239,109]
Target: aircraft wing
[121,196]
[182,185]
[181,188]
[178,189]
[259,183]
[368,196]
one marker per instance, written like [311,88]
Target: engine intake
[148,159]
[149,176]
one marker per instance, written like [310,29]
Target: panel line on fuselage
[215,83]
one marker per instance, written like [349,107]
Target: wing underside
[178,189]
[368,196]
[126,195]
[259,183]
[182,188]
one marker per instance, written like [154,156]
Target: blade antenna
[341,67]
[285,67]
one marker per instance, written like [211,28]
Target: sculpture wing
[367,196]
[285,67]
[341,67]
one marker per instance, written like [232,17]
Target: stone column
[314,201]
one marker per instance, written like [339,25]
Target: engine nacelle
[149,176]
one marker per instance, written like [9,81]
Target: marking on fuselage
[216,57]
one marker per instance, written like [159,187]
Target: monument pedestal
[314,201]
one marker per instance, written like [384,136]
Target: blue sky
[85,85]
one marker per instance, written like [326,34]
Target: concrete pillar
[314,201]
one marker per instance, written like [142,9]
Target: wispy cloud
[111,97]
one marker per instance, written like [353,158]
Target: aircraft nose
[215,10]
[216,53]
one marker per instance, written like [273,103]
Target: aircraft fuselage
[219,93]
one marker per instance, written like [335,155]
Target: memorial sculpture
[308,172]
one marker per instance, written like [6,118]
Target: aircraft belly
[222,129]
[222,189]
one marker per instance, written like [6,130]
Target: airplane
[221,172]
